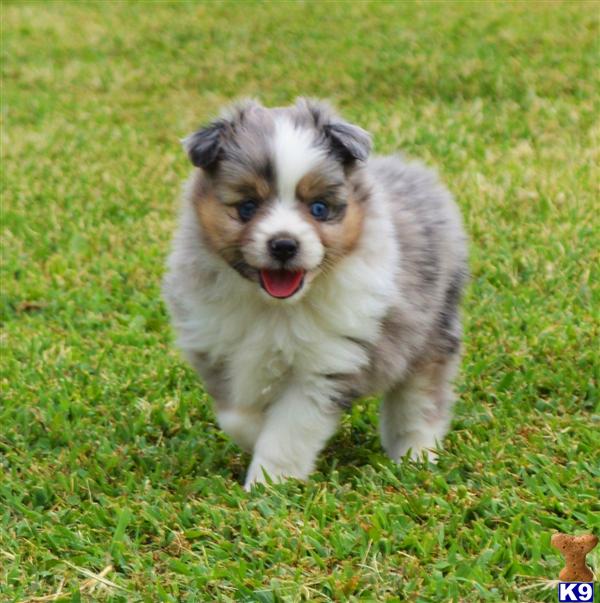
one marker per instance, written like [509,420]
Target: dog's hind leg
[415,414]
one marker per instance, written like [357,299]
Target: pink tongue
[281,283]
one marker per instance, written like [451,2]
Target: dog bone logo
[574,549]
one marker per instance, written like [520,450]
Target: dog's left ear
[204,146]
[350,142]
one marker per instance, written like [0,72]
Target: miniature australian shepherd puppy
[305,275]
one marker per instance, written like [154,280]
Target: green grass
[109,454]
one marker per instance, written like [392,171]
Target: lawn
[110,460]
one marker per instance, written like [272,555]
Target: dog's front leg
[296,428]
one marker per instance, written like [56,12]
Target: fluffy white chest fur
[265,345]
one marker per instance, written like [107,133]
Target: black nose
[283,249]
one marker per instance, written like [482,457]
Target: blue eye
[246,210]
[319,210]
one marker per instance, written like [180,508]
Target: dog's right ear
[204,147]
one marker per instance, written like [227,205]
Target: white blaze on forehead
[295,154]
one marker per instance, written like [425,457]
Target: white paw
[260,468]
[417,445]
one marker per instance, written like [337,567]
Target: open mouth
[281,283]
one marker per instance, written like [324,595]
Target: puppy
[305,275]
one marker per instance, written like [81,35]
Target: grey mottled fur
[425,328]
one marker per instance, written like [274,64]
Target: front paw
[417,445]
[261,467]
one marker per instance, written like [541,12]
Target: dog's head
[280,197]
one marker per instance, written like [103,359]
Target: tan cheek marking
[341,238]
[352,225]
[221,231]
